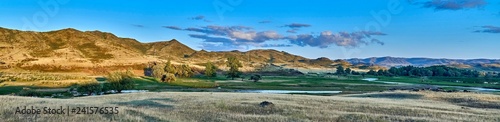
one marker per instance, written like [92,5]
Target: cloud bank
[172,27]
[223,38]
[200,17]
[343,39]
[454,4]
[265,21]
[488,29]
[297,25]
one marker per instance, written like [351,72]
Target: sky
[336,29]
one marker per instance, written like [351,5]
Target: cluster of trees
[491,75]
[234,64]
[168,72]
[442,71]
[90,87]
[117,81]
[346,71]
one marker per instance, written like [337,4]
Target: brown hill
[66,43]
[72,47]
[165,49]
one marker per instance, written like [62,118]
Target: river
[479,89]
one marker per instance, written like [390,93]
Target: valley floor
[220,106]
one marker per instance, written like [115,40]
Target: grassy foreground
[206,106]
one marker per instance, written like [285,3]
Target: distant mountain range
[480,64]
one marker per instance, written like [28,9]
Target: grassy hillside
[196,106]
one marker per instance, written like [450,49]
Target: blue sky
[337,29]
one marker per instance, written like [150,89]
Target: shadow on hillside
[150,103]
[390,96]
[474,103]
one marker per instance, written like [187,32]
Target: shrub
[90,87]
[169,77]
[255,78]
[158,71]
[106,87]
[210,70]
[120,81]
[28,92]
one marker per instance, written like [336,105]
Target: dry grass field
[206,106]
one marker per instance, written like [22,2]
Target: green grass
[187,82]
[5,90]
[302,83]
[437,81]
[268,83]
[350,84]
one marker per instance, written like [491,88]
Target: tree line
[438,71]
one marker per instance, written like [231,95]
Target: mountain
[74,48]
[480,64]
[166,49]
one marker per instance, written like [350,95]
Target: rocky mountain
[481,64]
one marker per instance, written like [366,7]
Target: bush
[28,92]
[120,81]
[185,71]
[158,71]
[89,88]
[210,70]
[255,78]
[106,87]
[169,77]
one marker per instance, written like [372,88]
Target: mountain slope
[166,49]
[66,43]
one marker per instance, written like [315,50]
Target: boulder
[266,104]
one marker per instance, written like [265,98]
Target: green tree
[380,72]
[340,70]
[348,71]
[169,68]
[440,71]
[372,72]
[89,88]
[255,78]
[394,70]
[169,77]
[120,81]
[158,71]
[210,70]
[185,71]
[234,64]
